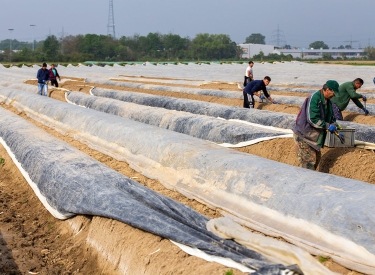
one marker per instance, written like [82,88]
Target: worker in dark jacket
[53,75]
[313,121]
[253,88]
[347,92]
[43,77]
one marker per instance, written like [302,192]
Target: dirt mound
[32,240]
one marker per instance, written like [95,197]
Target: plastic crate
[333,141]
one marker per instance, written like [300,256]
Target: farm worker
[347,92]
[249,73]
[253,88]
[313,121]
[53,74]
[43,77]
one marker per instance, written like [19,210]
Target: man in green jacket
[347,92]
[313,121]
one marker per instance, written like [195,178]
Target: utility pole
[111,21]
[10,45]
[32,28]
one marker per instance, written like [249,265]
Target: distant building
[314,54]
[249,50]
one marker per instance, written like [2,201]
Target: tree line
[152,47]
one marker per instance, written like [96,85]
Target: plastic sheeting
[284,252]
[325,214]
[197,91]
[73,183]
[204,127]
[280,120]
[295,74]
[295,100]
[203,108]
[157,80]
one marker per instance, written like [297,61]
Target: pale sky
[301,22]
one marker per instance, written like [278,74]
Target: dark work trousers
[54,83]
[246,103]
[336,111]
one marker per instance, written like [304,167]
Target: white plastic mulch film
[333,219]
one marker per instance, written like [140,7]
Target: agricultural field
[179,131]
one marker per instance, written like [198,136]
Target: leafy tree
[288,47]
[16,45]
[256,38]
[370,52]
[212,46]
[327,56]
[341,47]
[51,47]
[348,47]
[318,44]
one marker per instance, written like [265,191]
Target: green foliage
[230,272]
[327,56]
[323,259]
[256,38]
[51,47]
[2,161]
[212,46]
[370,52]
[318,44]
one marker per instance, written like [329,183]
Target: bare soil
[34,242]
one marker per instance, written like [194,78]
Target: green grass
[2,161]
[323,259]
[230,272]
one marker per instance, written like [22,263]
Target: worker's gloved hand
[342,138]
[262,97]
[274,102]
[364,98]
[366,111]
[338,126]
[332,128]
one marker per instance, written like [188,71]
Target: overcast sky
[300,22]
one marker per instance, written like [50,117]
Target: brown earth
[31,240]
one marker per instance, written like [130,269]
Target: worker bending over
[253,88]
[347,92]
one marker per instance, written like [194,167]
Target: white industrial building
[249,50]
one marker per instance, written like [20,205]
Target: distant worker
[53,74]
[253,88]
[43,77]
[313,121]
[249,74]
[347,92]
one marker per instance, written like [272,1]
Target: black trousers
[246,102]
[54,83]
[246,80]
